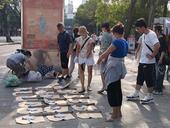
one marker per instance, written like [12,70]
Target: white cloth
[34,76]
[88,61]
[82,58]
[150,39]
[83,51]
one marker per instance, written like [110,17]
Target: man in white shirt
[146,69]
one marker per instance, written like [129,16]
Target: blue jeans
[160,73]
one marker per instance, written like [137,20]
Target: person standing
[65,49]
[106,41]
[84,53]
[72,63]
[146,68]
[115,70]
[160,67]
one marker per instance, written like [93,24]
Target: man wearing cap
[65,49]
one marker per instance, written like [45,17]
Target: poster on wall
[39,23]
[39,31]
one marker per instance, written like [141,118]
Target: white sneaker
[133,97]
[147,99]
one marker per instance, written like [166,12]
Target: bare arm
[137,50]
[155,50]
[89,50]
[70,49]
[106,53]
[77,49]
[29,64]
[161,57]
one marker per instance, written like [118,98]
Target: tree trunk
[165,9]
[128,24]
[6,24]
[153,5]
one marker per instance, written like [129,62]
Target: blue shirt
[18,58]
[121,48]
[64,40]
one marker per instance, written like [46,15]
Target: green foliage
[86,15]
[10,16]
[3,2]
[97,11]
[112,12]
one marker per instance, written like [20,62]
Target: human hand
[68,54]
[160,61]
[150,57]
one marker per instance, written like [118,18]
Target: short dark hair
[75,30]
[141,23]
[27,53]
[158,28]
[106,25]
[118,28]
[60,25]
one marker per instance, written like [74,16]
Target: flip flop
[23,89]
[88,101]
[69,91]
[89,115]
[29,119]
[30,104]
[61,117]
[29,110]
[84,108]
[58,109]
[75,96]
[62,102]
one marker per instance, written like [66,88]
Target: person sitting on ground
[17,61]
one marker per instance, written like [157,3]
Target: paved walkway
[135,115]
[16,39]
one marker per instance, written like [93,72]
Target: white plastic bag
[34,76]
[50,75]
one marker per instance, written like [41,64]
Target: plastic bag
[34,76]
[50,75]
[12,81]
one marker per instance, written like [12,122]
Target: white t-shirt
[150,39]
[83,51]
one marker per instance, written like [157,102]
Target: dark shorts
[146,72]
[114,94]
[64,60]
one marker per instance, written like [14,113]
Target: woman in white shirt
[84,53]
